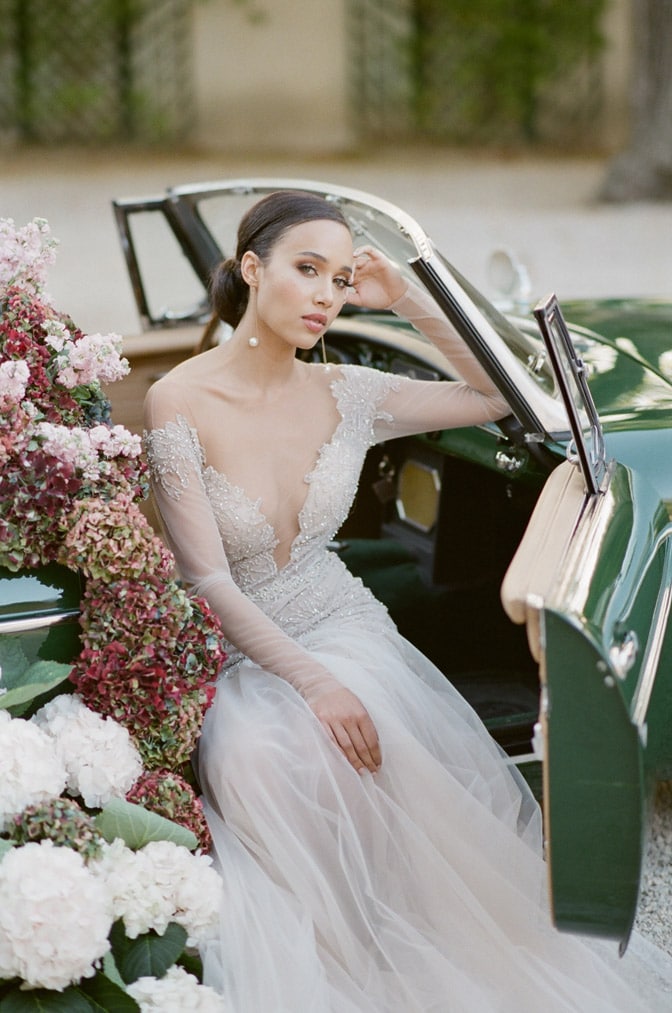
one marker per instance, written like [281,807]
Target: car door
[592,581]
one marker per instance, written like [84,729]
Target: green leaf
[106,996]
[91,995]
[44,1000]
[24,680]
[110,969]
[150,955]
[137,826]
[5,846]
[192,964]
[13,657]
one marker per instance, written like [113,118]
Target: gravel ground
[543,209]
[654,916]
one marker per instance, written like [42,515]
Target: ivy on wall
[94,70]
[494,67]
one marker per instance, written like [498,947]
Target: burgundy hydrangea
[171,795]
[150,660]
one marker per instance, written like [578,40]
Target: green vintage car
[530,559]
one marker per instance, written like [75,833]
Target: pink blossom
[70,444]
[91,358]
[25,254]
[14,376]
[115,441]
[56,334]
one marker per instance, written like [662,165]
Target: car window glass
[221,214]
[528,348]
[587,446]
[172,287]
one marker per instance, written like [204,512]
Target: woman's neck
[264,368]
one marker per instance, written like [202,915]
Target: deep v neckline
[308,479]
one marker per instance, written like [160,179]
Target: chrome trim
[330,191]
[36,622]
[508,462]
[654,646]
[623,653]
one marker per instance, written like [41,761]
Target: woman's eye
[307,269]
[341,283]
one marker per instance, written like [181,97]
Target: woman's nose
[325,294]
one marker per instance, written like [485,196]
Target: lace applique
[173,453]
[359,392]
[248,538]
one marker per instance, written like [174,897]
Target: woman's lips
[315,322]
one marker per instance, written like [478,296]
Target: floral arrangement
[105,883]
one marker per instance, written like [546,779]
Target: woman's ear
[249,268]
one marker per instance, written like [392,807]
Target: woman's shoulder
[364,383]
[178,390]
[188,374]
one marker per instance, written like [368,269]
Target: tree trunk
[644,170]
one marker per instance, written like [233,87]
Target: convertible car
[530,559]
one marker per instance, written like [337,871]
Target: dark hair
[259,230]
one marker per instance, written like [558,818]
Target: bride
[378,854]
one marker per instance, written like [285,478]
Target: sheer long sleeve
[176,459]
[424,406]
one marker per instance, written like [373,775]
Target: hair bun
[229,292]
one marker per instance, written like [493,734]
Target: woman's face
[303,284]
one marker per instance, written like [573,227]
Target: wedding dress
[421,887]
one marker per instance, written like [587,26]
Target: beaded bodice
[314,583]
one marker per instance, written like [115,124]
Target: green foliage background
[486,65]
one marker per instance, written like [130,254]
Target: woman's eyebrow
[319,256]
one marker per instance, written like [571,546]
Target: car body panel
[591,582]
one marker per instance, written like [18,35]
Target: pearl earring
[253,341]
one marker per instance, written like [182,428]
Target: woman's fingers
[349,726]
[359,744]
[376,281]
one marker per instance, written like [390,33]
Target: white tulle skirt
[420,888]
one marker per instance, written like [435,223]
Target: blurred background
[541,125]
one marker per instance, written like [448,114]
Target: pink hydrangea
[112,539]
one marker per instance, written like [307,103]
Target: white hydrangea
[31,770]
[175,992]
[161,883]
[135,897]
[192,883]
[97,753]
[55,916]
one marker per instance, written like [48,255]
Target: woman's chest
[268,446]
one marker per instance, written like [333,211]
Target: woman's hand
[348,725]
[377,282]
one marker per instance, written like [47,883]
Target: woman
[378,853]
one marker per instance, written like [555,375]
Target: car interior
[432,533]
